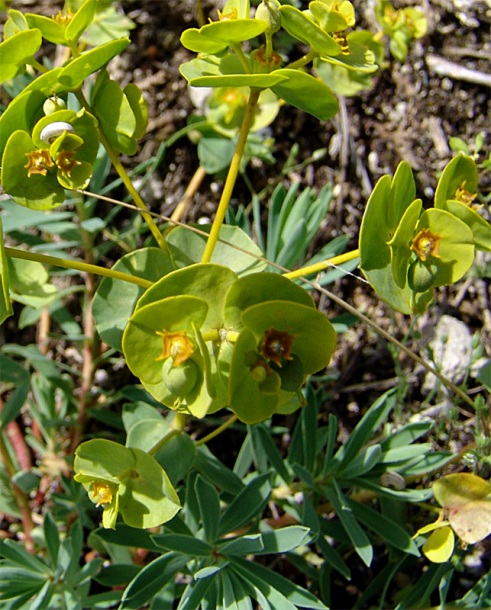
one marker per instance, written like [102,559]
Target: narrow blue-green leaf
[276,588]
[195,592]
[117,574]
[15,553]
[388,529]
[249,503]
[216,472]
[274,216]
[365,429]
[343,511]
[209,506]
[284,540]
[333,558]
[16,400]
[124,535]
[419,595]
[332,433]
[151,579]
[407,495]
[241,594]
[362,463]
[265,442]
[243,545]
[406,435]
[185,545]
[52,538]
[401,454]
[429,463]
[44,597]
[294,247]
[233,594]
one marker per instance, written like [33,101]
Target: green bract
[456,191]
[405,251]
[127,481]
[16,51]
[58,155]
[122,114]
[201,339]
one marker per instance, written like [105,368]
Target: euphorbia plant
[198,320]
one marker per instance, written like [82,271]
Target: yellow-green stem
[318,267]
[135,195]
[242,57]
[78,265]
[231,177]
[303,61]
[123,174]
[217,431]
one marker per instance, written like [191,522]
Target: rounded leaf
[455,245]
[460,488]
[115,300]
[299,25]
[460,173]
[253,398]
[207,281]
[258,288]
[217,36]
[472,521]
[142,346]
[314,338]
[440,545]
[147,497]
[16,51]
[187,247]
[38,192]
[103,460]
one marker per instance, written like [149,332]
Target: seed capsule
[52,104]
[53,130]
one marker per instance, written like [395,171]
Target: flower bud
[268,11]
[180,380]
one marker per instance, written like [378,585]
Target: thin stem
[193,186]
[78,265]
[455,389]
[303,61]
[163,441]
[217,431]
[242,58]
[318,267]
[231,177]
[123,174]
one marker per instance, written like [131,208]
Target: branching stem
[65,263]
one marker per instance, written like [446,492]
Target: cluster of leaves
[321,28]
[401,26]
[406,251]
[46,148]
